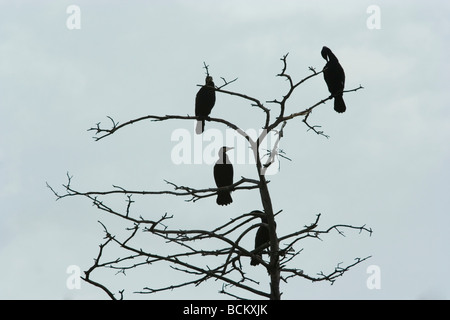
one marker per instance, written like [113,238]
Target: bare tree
[225,259]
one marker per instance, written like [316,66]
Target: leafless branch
[205,66]
[227,260]
[88,279]
[226,82]
[196,194]
[181,265]
[255,102]
[331,277]
[313,128]
[274,152]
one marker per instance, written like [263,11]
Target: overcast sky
[386,163]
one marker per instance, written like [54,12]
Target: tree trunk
[274,264]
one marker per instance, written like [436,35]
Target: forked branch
[193,254]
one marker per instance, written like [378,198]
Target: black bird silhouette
[262,237]
[204,102]
[223,175]
[334,76]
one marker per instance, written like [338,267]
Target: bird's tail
[200,127]
[224,198]
[339,104]
[254,261]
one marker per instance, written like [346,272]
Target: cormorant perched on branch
[223,175]
[204,102]
[262,237]
[335,78]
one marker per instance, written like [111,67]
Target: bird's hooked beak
[225,149]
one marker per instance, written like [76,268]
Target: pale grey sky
[385,164]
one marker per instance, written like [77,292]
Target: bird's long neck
[223,158]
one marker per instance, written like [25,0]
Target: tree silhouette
[227,259]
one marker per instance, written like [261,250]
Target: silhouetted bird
[335,78]
[223,175]
[262,237]
[204,102]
